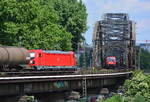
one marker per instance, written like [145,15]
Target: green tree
[144,59]
[32,24]
[85,58]
[73,17]
[139,85]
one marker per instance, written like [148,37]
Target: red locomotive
[52,60]
[111,61]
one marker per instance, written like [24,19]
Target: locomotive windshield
[111,59]
[32,55]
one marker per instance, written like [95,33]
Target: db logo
[58,59]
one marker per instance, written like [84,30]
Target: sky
[138,10]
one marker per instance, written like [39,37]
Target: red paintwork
[53,59]
[111,60]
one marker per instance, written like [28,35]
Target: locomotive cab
[111,61]
[35,57]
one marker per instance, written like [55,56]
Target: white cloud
[126,6]
[143,24]
[143,30]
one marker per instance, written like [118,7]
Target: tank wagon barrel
[13,55]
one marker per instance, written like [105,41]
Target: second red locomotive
[52,60]
[111,61]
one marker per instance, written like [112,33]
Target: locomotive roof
[55,51]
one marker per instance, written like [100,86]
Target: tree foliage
[85,59]
[36,24]
[73,18]
[144,59]
[138,85]
[119,98]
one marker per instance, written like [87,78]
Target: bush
[137,89]
[118,98]
[138,85]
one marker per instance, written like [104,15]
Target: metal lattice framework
[114,35]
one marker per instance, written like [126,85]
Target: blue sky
[138,10]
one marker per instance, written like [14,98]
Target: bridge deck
[59,77]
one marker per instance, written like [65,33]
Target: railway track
[34,73]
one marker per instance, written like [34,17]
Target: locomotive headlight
[32,55]
[31,62]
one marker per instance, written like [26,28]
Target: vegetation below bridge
[137,89]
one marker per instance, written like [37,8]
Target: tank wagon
[114,37]
[52,60]
[21,59]
[13,58]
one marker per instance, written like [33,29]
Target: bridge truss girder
[114,36]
